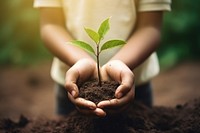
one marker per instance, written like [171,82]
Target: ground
[29,90]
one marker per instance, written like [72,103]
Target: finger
[72,76]
[123,89]
[97,112]
[116,103]
[86,106]
[127,83]
[82,103]
[72,88]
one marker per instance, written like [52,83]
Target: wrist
[90,61]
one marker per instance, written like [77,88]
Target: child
[134,64]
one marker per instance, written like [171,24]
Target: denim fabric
[143,94]
[63,105]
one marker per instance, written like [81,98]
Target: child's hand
[118,71]
[83,70]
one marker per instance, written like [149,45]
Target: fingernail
[100,115]
[73,93]
[92,107]
[99,106]
[119,95]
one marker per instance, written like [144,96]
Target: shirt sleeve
[154,5]
[46,3]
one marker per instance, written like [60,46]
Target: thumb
[127,83]
[71,78]
[104,74]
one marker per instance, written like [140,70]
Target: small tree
[97,37]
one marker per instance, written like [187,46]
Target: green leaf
[93,35]
[111,44]
[83,46]
[103,29]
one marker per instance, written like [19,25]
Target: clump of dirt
[12,126]
[137,119]
[91,90]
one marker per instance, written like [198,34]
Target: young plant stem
[98,66]
[97,37]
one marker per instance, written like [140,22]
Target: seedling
[97,37]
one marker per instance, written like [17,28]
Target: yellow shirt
[90,13]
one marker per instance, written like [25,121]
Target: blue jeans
[143,94]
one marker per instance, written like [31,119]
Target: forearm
[55,36]
[144,40]
[139,47]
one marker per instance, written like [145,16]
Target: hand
[81,71]
[118,71]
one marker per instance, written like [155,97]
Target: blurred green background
[20,42]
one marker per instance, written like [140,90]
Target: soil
[91,90]
[137,119]
[28,91]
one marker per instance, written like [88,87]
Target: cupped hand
[81,71]
[118,71]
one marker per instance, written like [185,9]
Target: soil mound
[91,90]
[137,119]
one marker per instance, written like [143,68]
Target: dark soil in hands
[137,119]
[91,90]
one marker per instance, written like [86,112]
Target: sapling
[97,37]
